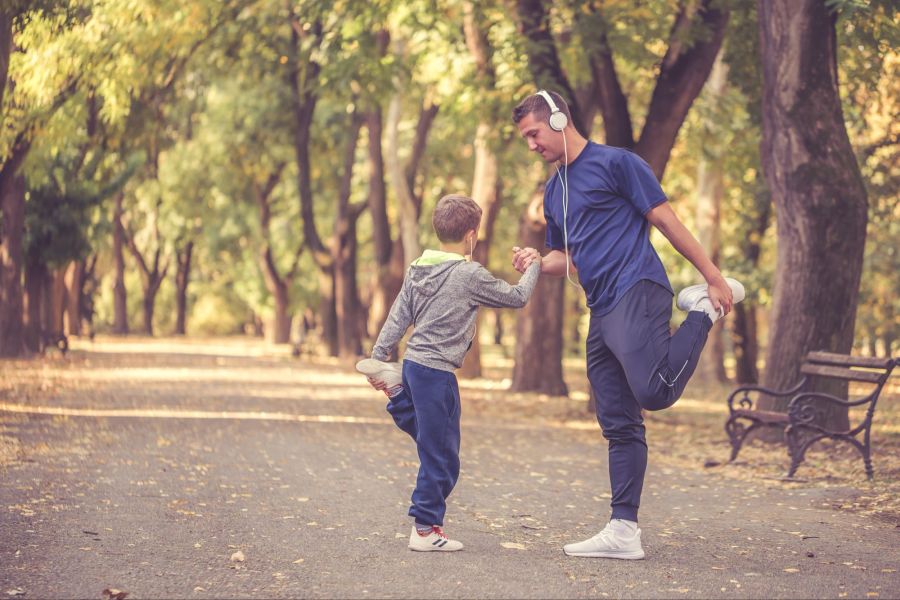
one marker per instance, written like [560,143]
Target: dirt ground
[148,465]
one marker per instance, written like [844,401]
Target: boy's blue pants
[632,363]
[428,410]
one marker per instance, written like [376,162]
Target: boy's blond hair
[453,216]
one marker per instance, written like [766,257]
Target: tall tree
[817,189]
[486,182]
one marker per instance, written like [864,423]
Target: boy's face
[540,138]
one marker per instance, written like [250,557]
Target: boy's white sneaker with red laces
[435,541]
[389,373]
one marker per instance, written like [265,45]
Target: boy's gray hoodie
[440,296]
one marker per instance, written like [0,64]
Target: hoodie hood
[429,272]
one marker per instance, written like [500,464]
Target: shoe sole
[432,549]
[374,369]
[633,555]
[739,295]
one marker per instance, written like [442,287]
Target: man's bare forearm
[554,263]
[663,218]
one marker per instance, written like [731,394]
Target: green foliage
[193,110]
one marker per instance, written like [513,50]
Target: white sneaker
[387,372]
[619,539]
[436,541]
[696,297]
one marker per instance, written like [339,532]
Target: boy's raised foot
[388,373]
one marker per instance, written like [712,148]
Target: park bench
[801,423]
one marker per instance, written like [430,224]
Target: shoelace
[439,532]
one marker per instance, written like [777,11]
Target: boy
[440,296]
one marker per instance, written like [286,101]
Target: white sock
[706,305]
[624,526]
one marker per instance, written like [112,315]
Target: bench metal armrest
[746,403]
[802,407]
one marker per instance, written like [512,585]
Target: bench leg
[736,434]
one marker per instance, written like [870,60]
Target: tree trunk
[385,284]
[182,279]
[745,331]
[56,302]
[343,243]
[539,326]
[279,329]
[151,280]
[120,294]
[12,230]
[746,346]
[35,287]
[681,77]
[328,312]
[347,304]
[74,287]
[818,191]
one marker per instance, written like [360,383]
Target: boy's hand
[377,384]
[523,257]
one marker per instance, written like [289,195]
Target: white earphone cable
[565,203]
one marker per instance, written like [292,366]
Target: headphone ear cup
[558,120]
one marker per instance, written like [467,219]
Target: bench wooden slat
[830,358]
[765,416]
[841,373]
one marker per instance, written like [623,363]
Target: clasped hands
[523,257]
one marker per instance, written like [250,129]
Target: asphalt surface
[147,473]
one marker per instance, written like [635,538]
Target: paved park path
[148,469]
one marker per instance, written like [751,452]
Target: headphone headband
[558,119]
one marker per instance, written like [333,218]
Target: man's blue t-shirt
[610,192]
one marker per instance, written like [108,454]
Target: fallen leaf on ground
[114,594]
[237,556]
[513,545]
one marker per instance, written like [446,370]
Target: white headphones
[558,119]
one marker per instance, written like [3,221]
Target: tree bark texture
[817,189]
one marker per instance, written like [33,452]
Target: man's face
[540,138]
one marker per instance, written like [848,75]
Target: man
[599,207]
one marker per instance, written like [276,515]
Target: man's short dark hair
[537,105]
[454,216]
